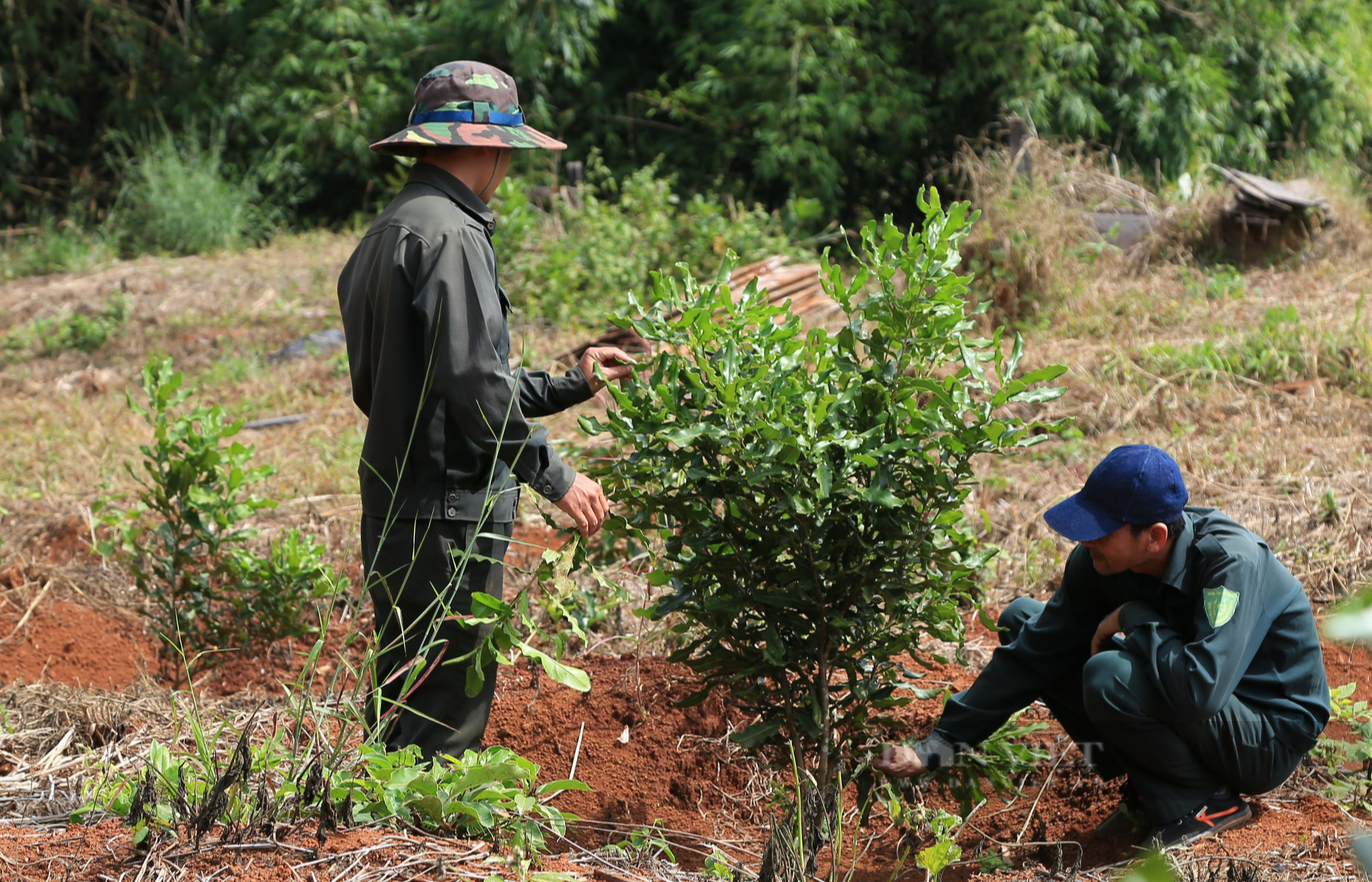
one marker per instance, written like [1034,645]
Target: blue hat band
[494,118]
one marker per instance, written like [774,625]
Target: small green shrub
[68,330]
[577,261]
[805,489]
[179,198]
[185,540]
[1348,760]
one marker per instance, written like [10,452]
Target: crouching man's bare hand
[899,762]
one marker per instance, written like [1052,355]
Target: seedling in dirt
[806,488]
[186,541]
[945,849]
[719,866]
[643,845]
[1348,760]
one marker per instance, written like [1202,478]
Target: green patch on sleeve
[1220,605]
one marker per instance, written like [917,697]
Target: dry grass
[1290,460]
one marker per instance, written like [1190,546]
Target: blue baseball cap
[1134,484]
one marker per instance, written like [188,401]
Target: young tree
[807,488]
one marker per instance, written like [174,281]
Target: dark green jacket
[428,347]
[1257,641]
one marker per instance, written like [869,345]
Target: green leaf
[1044,374]
[757,733]
[566,675]
[938,856]
[825,478]
[558,786]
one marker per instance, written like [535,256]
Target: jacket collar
[454,189]
[1181,552]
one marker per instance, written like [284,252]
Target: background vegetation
[838,109]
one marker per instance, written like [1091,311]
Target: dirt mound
[647,761]
[66,641]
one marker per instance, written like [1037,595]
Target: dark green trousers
[1123,724]
[418,580]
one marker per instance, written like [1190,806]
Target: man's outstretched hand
[615,364]
[587,505]
[899,762]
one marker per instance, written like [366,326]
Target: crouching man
[1177,651]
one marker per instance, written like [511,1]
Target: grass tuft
[52,246]
[179,198]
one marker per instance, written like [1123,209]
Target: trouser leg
[1176,764]
[1064,699]
[417,578]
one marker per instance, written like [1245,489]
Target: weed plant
[491,794]
[65,331]
[54,246]
[1283,349]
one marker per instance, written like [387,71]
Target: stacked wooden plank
[797,284]
[1261,204]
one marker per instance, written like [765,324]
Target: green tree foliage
[1177,84]
[852,102]
[858,101]
[74,72]
[305,86]
[808,486]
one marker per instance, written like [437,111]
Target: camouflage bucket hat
[465,104]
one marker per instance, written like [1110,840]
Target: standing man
[448,439]
[1177,650]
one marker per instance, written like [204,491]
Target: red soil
[647,762]
[65,641]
